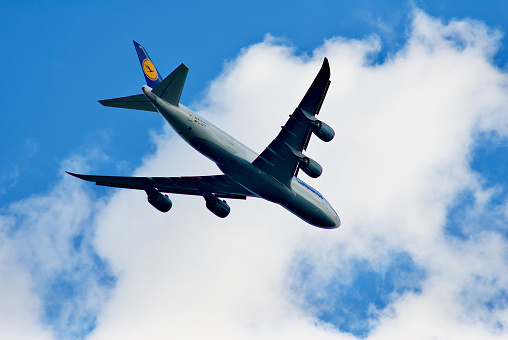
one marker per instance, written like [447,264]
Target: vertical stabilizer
[152,76]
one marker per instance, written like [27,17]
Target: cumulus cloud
[20,307]
[396,170]
[401,160]
[9,180]
[53,281]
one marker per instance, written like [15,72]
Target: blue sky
[73,52]
[76,252]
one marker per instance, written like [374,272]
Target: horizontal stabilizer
[170,89]
[137,102]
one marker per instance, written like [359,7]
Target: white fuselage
[235,160]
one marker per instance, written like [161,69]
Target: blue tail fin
[152,76]
[169,89]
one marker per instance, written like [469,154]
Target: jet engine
[217,206]
[322,130]
[159,201]
[311,167]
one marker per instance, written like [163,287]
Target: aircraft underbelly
[235,160]
[297,199]
[216,152]
[236,163]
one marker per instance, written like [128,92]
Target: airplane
[271,175]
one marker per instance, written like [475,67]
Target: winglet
[152,76]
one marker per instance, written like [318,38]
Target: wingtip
[83,177]
[326,63]
[71,173]
[325,68]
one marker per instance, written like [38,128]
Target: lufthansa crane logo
[149,69]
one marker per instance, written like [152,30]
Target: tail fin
[152,76]
[169,89]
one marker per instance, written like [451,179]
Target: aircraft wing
[282,157]
[136,102]
[219,185]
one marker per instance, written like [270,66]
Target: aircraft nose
[332,223]
[337,221]
[332,220]
[327,219]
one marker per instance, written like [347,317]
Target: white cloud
[52,281]
[19,307]
[405,130]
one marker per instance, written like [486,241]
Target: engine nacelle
[159,201]
[217,206]
[311,167]
[322,130]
